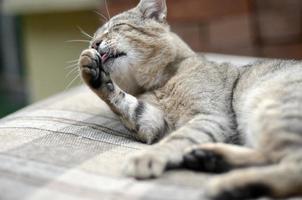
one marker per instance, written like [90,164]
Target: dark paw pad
[100,78]
[206,161]
[93,72]
[250,191]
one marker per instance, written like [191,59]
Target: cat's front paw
[145,165]
[92,71]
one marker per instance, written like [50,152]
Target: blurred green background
[35,47]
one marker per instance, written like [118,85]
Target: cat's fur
[165,92]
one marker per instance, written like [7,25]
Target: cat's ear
[155,9]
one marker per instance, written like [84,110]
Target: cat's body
[164,91]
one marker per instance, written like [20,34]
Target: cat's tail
[278,181]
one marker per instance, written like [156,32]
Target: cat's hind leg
[221,157]
[270,116]
[277,181]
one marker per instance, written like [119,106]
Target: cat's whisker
[111,51]
[108,14]
[104,18]
[77,58]
[112,48]
[111,42]
[70,41]
[73,61]
[72,81]
[71,72]
[84,33]
[110,45]
[71,66]
[107,9]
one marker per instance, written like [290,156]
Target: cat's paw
[205,159]
[92,71]
[145,165]
[233,188]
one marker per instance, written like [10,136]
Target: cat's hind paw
[205,160]
[229,188]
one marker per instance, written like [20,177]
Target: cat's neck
[183,51]
[183,54]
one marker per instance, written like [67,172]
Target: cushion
[71,146]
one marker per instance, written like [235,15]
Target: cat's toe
[204,160]
[145,165]
[89,64]
[89,58]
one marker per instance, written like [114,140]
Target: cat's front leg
[146,120]
[169,153]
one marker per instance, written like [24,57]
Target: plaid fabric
[72,147]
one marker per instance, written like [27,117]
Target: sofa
[71,147]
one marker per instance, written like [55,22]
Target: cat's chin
[124,77]
[114,62]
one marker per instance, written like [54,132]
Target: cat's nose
[96,44]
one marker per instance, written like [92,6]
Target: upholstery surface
[72,147]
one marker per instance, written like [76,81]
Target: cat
[245,122]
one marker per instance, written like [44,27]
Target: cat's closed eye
[118,26]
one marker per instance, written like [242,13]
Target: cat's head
[138,42]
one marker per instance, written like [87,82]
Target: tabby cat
[203,115]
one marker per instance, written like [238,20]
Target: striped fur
[198,110]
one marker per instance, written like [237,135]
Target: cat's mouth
[105,57]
